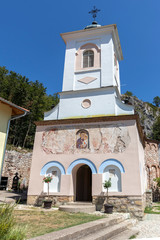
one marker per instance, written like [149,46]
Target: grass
[41,222]
[155,209]
[133,237]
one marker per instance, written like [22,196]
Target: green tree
[156,101]
[156,129]
[107,184]
[128,93]
[30,95]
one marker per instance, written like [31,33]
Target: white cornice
[87,90]
[96,32]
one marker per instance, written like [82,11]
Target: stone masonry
[57,200]
[152,162]
[17,161]
[135,205]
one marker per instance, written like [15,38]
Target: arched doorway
[84,184]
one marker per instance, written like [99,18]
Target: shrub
[8,228]
[157,180]
[128,93]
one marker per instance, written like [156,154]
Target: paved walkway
[149,228]
[8,197]
[11,197]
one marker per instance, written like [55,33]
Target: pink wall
[130,156]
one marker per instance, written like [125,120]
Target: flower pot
[47,204]
[108,208]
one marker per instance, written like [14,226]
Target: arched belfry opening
[84,184]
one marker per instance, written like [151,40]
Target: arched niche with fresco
[82,139]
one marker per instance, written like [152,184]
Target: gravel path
[149,227]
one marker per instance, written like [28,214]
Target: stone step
[77,208]
[80,231]
[109,232]
[126,234]
[80,203]
[7,200]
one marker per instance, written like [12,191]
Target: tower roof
[93,25]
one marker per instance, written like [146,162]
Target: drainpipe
[8,125]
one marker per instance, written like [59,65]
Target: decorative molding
[86,103]
[109,162]
[82,161]
[86,70]
[52,164]
[87,80]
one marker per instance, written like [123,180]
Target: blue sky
[31,45]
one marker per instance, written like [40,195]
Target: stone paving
[149,227]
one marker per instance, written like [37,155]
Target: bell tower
[91,79]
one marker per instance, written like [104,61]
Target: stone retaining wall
[148,198]
[57,200]
[17,162]
[134,205]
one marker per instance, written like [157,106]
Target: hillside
[147,112]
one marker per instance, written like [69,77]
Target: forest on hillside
[27,94]
[32,96]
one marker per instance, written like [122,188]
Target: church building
[91,135]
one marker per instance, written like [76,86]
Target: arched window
[54,185]
[112,172]
[88,59]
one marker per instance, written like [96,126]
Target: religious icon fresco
[82,141]
[92,140]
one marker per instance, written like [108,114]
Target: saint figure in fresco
[82,141]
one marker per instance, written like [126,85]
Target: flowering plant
[47,180]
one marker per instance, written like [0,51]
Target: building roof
[16,110]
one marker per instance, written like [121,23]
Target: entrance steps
[74,207]
[109,228]
[115,231]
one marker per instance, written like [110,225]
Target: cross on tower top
[94,12]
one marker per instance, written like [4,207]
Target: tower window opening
[88,59]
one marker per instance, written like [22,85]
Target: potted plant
[108,208]
[47,202]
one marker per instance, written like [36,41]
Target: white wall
[107,61]
[101,92]
[106,74]
[95,84]
[69,66]
[102,103]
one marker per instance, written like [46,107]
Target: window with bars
[88,59]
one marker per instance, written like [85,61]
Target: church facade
[91,135]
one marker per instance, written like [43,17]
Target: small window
[88,59]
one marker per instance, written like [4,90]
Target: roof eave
[16,110]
